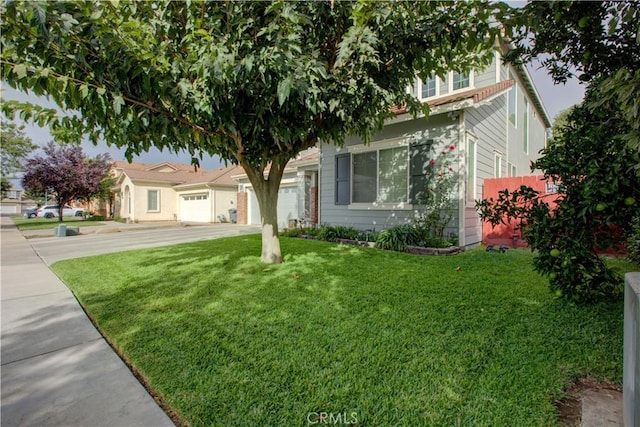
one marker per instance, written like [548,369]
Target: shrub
[332,233]
[97,218]
[398,238]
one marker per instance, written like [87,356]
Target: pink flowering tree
[437,200]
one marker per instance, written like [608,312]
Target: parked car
[31,212]
[51,211]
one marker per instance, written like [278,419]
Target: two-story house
[490,123]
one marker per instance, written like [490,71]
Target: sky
[554,97]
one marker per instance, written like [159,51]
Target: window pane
[342,179]
[460,80]
[393,180]
[364,177]
[429,87]
[152,201]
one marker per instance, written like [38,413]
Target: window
[381,176]
[343,166]
[512,103]
[525,126]
[471,169]
[497,165]
[153,199]
[460,80]
[429,87]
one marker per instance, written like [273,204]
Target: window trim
[514,91]
[497,161]
[525,126]
[157,200]
[472,140]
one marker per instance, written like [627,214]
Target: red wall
[501,233]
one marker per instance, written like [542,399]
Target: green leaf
[20,70]
[284,88]
[118,102]
[101,91]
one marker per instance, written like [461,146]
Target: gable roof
[176,173]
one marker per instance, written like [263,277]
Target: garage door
[195,208]
[8,209]
[287,207]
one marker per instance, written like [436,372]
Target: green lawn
[379,337]
[51,223]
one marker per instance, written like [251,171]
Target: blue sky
[555,98]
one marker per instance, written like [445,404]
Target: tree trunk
[267,195]
[268,202]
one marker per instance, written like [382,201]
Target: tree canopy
[253,82]
[15,146]
[66,173]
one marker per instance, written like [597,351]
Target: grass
[382,338]
[50,223]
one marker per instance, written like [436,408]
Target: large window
[381,176]
[153,200]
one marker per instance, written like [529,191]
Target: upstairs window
[460,80]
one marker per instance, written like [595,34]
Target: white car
[51,211]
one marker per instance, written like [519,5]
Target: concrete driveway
[104,240]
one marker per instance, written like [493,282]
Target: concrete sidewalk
[56,368]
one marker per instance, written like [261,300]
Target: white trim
[498,63]
[375,206]
[497,156]
[474,185]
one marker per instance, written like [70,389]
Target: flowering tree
[437,204]
[66,173]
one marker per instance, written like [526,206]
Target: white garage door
[287,207]
[8,209]
[195,208]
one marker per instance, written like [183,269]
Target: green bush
[398,238]
[331,233]
[97,218]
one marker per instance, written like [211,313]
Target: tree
[66,173]
[15,146]
[599,195]
[253,82]
[594,156]
[594,41]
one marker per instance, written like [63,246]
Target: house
[491,123]
[173,192]
[297,196]
[14,202]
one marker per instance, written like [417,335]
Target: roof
[177,173]
[476,95]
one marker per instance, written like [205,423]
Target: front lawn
[51,223]
[380,338]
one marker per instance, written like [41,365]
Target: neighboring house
[495,121]
[14,203]
[173,192]
[297,197]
